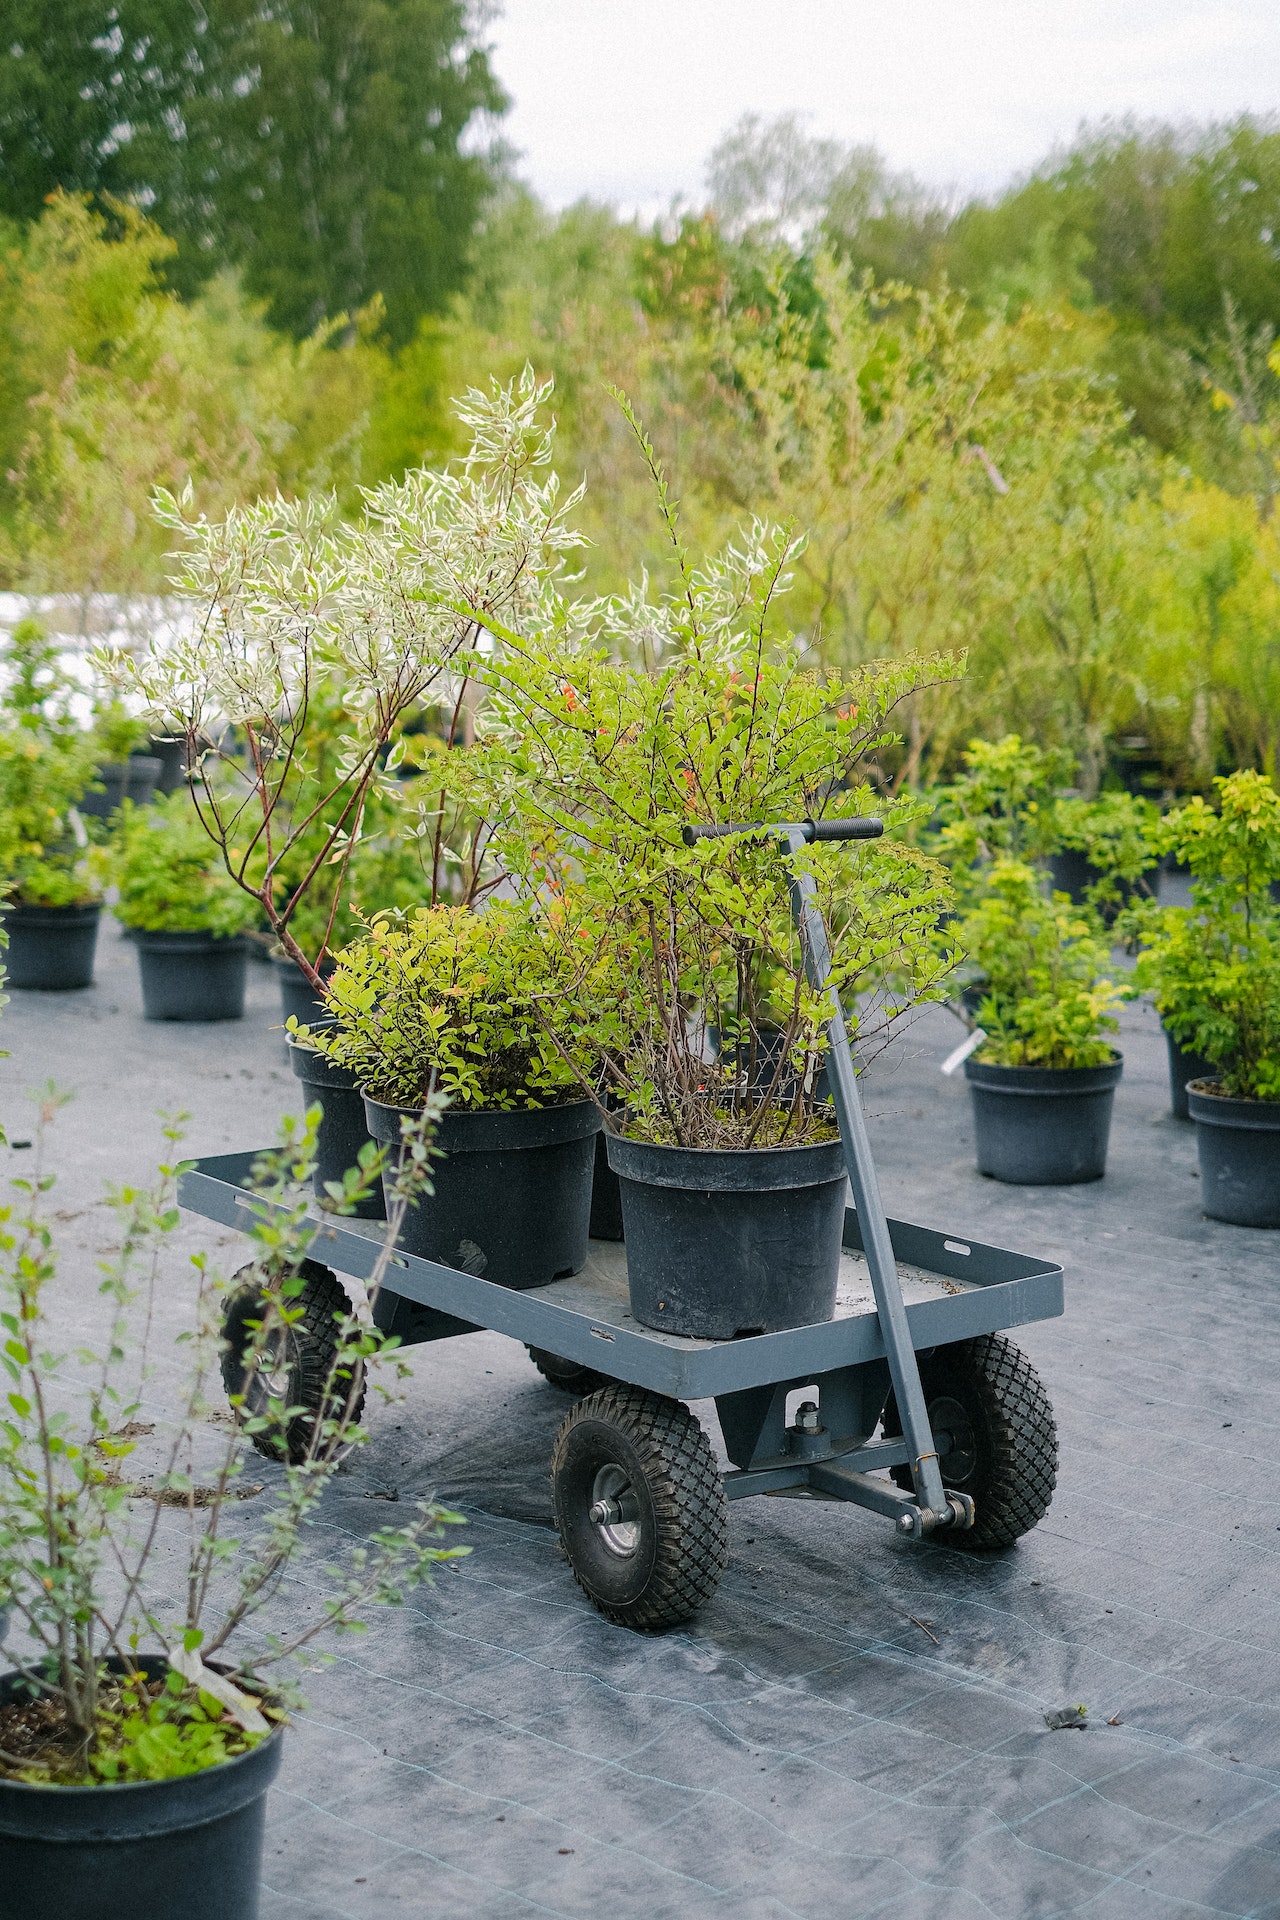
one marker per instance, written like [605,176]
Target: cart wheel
[566,1374]
[999,1443]
[640,1506]
[296,1367]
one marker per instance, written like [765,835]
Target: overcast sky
[622,100]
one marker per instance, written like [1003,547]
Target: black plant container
[512,1200]
[136,779]
[172,755]
[187,1849]
[721,1245]
[297,995]
[1043,1126]
[1239,1143]
[1072,873]
[51,949]
[191,976]
[343,1130]
[1184,1066]
[606,1196]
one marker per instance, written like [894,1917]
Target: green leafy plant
[593,768]
[169,875]
[1213,969]
[1118,834]
[448,1000]
[1049,1001]
[47,761]
[123,1541]
[1002,806]
[367,619]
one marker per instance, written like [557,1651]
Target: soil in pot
[136,779]
[1042,1126]
[51,949]
[191,976]
[1239,1144]
[722,1245]
[512,1200]
[298,998]
[343,1130]
[1184,1066]
[185,1849]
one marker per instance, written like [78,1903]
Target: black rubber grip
[857,827]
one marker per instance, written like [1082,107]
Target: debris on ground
[1067,1717]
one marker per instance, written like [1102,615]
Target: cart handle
[856,827]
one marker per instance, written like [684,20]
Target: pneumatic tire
[297,1370]
[998,1441]
[640,1507]
[566,1374]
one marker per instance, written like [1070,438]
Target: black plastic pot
[512,1200]
[606,1197]
[136,779]
[191,976]
[1042,1126]
[1072,873]
[51,948]
[721,1245]
[343,1130]
[1184,1066]
[770,1046]
[187,1849]
[1239,1143]
[297,995]
[172,755]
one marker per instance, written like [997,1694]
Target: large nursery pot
[512,1200]
[1043,1126]
[51,949]
[136,779]
[343,1130]
[1239,1143]
[191,976]
[1184,1066]
[185,1849]
[298,998]
[722,1244]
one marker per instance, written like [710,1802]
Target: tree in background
[316,143]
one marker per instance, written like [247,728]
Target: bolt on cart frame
[642,1509]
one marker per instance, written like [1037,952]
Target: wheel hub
[953,1436]
[615,1511]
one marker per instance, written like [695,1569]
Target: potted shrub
[322,638]
[46,762]
[732,1173]
[1213,969]
[1106,851]
[142,1717]
[124,770]
[444,1001]
[1044,1079]
[184,910]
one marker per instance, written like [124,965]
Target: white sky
[622,100]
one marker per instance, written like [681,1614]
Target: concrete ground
[854,1726]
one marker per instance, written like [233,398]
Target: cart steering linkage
[935,1507]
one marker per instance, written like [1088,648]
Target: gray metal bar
[903,1369]
[843,1483]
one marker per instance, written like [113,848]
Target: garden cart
[913,1376]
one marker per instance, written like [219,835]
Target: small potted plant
[142,1716]
[1044,1079]
[443,1001]
[184,910]
[124,770]
[1106,851]
[732,1173]
[1213,969]
[46,762]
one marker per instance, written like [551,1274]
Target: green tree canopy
[316,143]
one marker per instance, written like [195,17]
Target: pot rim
[1045,1081]
[1255,1116]
[491,1128]
[815,1163]
[200,938]
[31,909]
